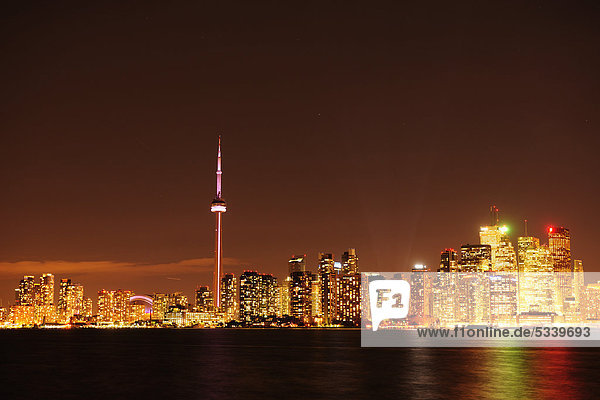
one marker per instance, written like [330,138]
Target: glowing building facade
[475,258]
[70,300]
[229,297]
[297,264]
[204,299]
[448,261]
[349,262]
[257,296]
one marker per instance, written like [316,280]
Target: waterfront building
[229,297]
[257,296]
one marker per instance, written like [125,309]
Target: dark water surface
[284,364]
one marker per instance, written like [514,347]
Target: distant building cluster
[328,296]
[494,283]
[34,302]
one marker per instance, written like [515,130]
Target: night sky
[386,127]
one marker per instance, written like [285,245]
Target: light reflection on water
[290,364]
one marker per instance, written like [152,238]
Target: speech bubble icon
[388,299]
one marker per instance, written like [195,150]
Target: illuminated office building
[229,296]
[114,306]
[204,299]
[559,242]
[105,306]
[297,264]
[159,306]
[592,303]
[504,282]
[503,297]
[444,307]
[492,235]
[328,287]
[349,262]
[420,291]
[472,298]
[475,258]
[22,315]
[578,280]
[525,243]
[283,298]
[63,299]
[448,261]
[122,306]
[301,295]
[257,296]
[574,307]
[177,300]
[326,263]
[504,258]
[317,311]
[46,311]
[25,293]
[536,278]
[47,289]
[88,307]
[348,307]
[70,300]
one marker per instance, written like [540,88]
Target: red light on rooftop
[550,229]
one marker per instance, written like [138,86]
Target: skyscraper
[70,300]
[283,298]
[420,289]
[559,241]
[47,289]
[25,293]
[349,262]
[348,303]
[257,296]
[301,295]
[448,261]
[328,287]
[503,253]
[45,312]
[229,298]
[114,306]
[204,299]
[536,280]
[297,264]
[475,258]
[105,306]
[218,206]
[525,243]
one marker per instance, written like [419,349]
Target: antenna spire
[219,172]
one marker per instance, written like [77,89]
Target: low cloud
[66,268]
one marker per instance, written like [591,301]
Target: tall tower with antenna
[218,206]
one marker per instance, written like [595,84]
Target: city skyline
[493,252]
